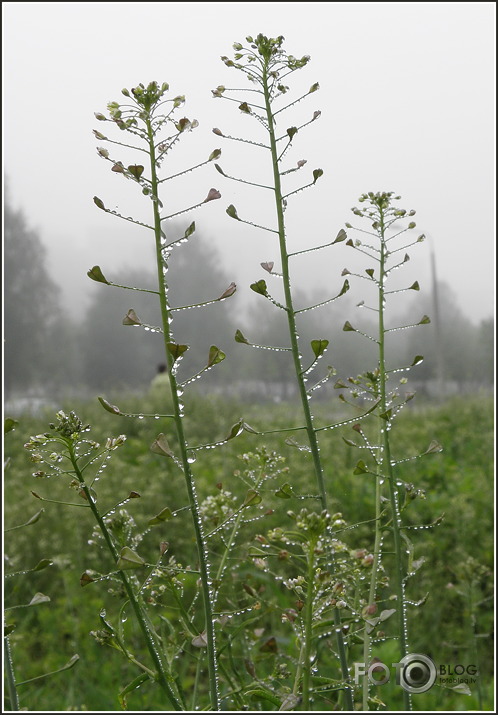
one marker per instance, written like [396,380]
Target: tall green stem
[387,460]
[135,601]
[9,671]
[189,480]
[298,367]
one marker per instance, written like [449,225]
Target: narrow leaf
[43,564]
[108,407]
[229,291]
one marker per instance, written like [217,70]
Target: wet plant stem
[135,601]
[304,665]
[367,641]
[298,367]
[10,677]
[178,419]
[387,460]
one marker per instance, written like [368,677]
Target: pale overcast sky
[407,94]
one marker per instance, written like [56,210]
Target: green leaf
[215,154]
[131,318]
[164,515]
[177,350]
[161,446]
[190,230]
[239,338]
[259,287]
[215,356]
[9,424]
[261,694]
[344,288]
[360,468]
[252,497]
[341,236]
[462,688]
[285,491]
[232,212]
[236,429]
[129,559]
[108,407]
[319,347]
[136,683]
[417,360]
[85,579]
[43,564]
[96,275]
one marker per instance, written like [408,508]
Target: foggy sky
[407,95]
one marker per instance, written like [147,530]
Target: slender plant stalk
[189,479]
[387,459]
[9,671]
[299,371]
[142,619]
[375,568]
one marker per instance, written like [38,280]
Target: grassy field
[452,626]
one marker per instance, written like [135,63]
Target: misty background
[407,96]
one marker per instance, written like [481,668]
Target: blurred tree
[128,356]
[33,317]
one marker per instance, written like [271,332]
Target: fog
[407,98]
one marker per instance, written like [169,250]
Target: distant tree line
[47,352]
